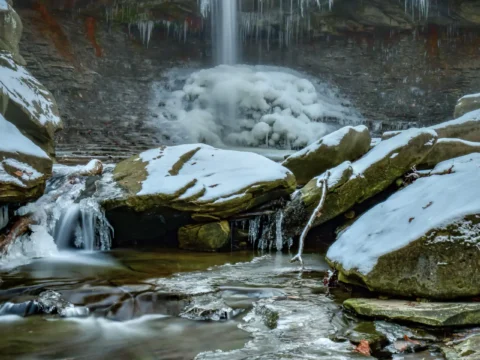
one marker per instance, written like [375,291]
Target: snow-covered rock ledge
[207,182]
[423,241]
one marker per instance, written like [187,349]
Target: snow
[210,174]
[428,203]
[470,116]
[332,139]
[336,174]
[252,106]
[469,143]
[388,146]
[13,141]
[469,96]
[25,90]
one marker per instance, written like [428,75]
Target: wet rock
[348,143]
[427,242]
[204,237]
[466,127]
[353,183]
[437,314]
[21,309]
[466,104]
[206,182]
[367,331]
[51,302]
[209,307]
[446,149]
[27,104]
[468,349]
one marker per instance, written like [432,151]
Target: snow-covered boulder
[10,30]
[466,127]
[204,237]
[446,149]
[26,103]
[24,166]
[199,179]
[466,104]
[348,143]
[352,183]
[423,241]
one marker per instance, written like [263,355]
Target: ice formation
[3,216]
[254,106]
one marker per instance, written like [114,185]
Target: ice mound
[254,106]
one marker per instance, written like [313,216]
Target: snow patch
[468,117]
[429,203]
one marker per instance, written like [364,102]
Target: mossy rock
[446,149]
[366,331]
[435,314]
[466,104]
[204,237]
[348,143]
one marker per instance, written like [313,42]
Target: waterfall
[224,16]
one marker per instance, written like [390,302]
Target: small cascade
[278,230]
[3,216]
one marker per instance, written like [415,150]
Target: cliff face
[398,70]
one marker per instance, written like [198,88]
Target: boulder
[348,143]
[466,104]
[446,149]
[28,104]
[10,31]
[204,237]
[24,166]
[206,182]
[437,314]
[466,127]
[468,349]
[426,244]
[93,168]
[352,183]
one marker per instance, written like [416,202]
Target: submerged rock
[468,349]
[437,314]
[466,104]
[204,237]
[422,241]
[446,149]
[352,183]
[348,143]
[206,182]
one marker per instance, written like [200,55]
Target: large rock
[207,182]
[446,149]
[24,166]
[348,143]
[466,127]
[466,104]
[204,237]
[352,183]
[28,104]
[421,242]
[468,349]
[438,314]
[10,30]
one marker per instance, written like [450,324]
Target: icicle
[253,228]
[3,216]
[278,230]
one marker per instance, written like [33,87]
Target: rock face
[10,30]
[28,104]
[426,244]
[24,166]
[466,104]
[466,127]
[468,349]
[348,143]
[206,182]
[204,237]
[352,183]
[429,313]
[446,149]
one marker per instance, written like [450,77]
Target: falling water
[224,14]
[3,216]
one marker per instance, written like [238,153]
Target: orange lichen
[90,24]
[52,28]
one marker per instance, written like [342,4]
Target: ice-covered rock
[28,104]
[10,31]
[352,183]
[348,143]
[423,241]
[438,314]
[466,104]
[204,237]
[446,149]
[200,180]
[24,166]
